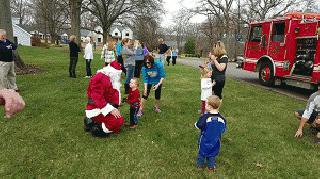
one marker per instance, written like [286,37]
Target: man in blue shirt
[7,74]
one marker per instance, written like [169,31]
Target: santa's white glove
[107,109]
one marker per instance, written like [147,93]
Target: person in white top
[108,52]
[206,86]
[88,56]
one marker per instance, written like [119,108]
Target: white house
[117,32]
[20,35]
[127,33]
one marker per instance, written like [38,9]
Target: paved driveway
[251,78]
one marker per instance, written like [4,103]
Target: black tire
[266,75]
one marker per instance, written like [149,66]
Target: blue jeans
[211,161]
[129,74]
[133,115]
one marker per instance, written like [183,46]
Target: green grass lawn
[47,138]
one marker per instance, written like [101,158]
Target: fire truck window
[255,34]
[278,32]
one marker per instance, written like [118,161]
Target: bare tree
[182,21]
[75,8]
[261,9]
[5,18]
[312,6]
[146,22]
[222,9]
[52,15]
[6,23]
[88,20]
[22,9]
[108,11]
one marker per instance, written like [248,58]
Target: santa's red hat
[115,65]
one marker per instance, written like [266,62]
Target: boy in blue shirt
[212,125]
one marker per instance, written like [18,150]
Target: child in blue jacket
[212,125]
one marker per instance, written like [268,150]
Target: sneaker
[156,109]
[212,169]
[140,113]
[133,126]
[87,77]
[200,167]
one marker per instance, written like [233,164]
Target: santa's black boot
[97,131]
[87,124]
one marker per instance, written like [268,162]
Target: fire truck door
[256,45]
[277,44]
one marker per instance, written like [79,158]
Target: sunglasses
[148,62]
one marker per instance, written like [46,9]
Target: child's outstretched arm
[201,123]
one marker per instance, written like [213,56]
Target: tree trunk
[6,23]
[75,6]
[105,34]
[5,18]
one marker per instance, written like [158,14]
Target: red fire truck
[285,50]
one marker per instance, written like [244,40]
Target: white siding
[127,33]
[116,33]
[97,36]
[22,35]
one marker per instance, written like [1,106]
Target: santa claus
[102,114]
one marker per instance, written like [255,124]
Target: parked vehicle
[285,50]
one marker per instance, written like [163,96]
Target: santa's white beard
[115,80]
[114,75]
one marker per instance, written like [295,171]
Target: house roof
[16,26]
[171,43]
[120,28]
[28,28]
[84,32]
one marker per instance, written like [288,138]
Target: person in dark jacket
[219,61]
[74,50]
[7,74]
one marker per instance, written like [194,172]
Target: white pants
[7,76]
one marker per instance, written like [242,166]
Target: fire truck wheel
[266,75]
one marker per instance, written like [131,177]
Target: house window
[127,34]
[278,32]
[99,40]
[98,32]
[255,34]
[116,34]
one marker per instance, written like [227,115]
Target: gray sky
[173,6]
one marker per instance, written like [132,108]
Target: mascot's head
[113,71]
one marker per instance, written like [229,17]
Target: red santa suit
[104,96]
